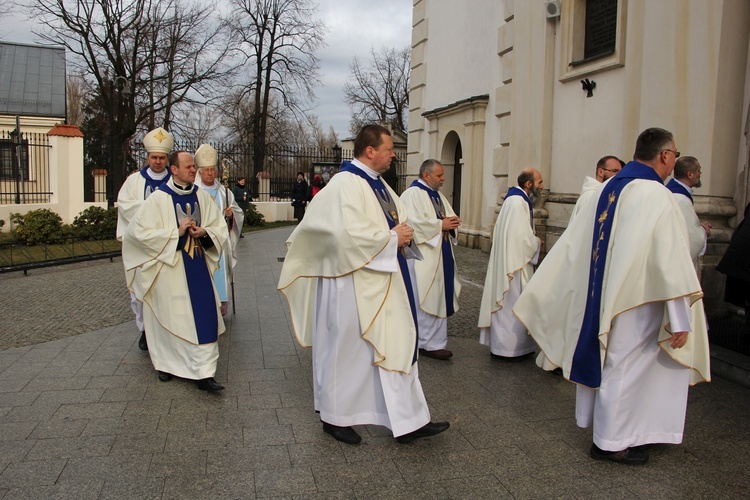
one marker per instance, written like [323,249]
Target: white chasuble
[515,250]
[152,247]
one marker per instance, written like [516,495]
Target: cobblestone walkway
[84,416]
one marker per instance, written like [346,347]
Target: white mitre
[158,141]
[206,156]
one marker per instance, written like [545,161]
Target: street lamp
[126,92]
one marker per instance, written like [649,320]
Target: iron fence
[24,168]
[19,256]
[274,181]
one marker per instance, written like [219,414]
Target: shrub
[253,217]
[96,223]
[37,225]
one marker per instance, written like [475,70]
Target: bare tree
[144,56]
[198,122]
[75,88]
[379,92]
[277,41]
[319,137]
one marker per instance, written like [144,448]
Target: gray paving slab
[83,415]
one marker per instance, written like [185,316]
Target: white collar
[370,172]
[690,190]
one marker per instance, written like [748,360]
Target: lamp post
[110,171]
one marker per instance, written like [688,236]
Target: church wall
[459,67]
[683,66]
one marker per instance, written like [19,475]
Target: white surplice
[151,246]
[131,196]
[427,276]
[515,250]
[649,290]
[348,301]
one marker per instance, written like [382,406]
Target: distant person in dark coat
[299,196]
[242,194]
[736,265]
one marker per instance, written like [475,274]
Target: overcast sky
[353,27]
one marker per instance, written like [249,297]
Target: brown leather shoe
[441,354]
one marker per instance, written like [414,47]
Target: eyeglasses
[675,153]
[611,169]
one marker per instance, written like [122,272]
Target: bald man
[515,251]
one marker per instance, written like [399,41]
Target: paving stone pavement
[84,416]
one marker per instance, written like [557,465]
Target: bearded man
[515,251]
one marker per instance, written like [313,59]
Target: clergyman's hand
[405,234]
[679,339]
[197,232]
[451,223]
[185,223]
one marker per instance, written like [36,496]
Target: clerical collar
[155,176]
[179,189]
[425,184]
[689,189]
[370,172]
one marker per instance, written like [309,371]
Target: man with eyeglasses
[687,176]
[618,306]
[606,167]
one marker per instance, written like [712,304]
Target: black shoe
[441,354]
[209,384]
[430,429]
[628,456]
[165,377]
[142,344]
[344,434]
[512,359]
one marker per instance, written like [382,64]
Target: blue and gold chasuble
[391,215]
[449,269]
[586,368]
[678,188]
[152,184]
[197,275]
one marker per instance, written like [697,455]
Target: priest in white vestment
[606,167]
[134,191]
[206,160]
[687,176]
[617,305]
[515,251]
[347,282]
[176,240]
[434,279]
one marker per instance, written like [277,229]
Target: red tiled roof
[65,130]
